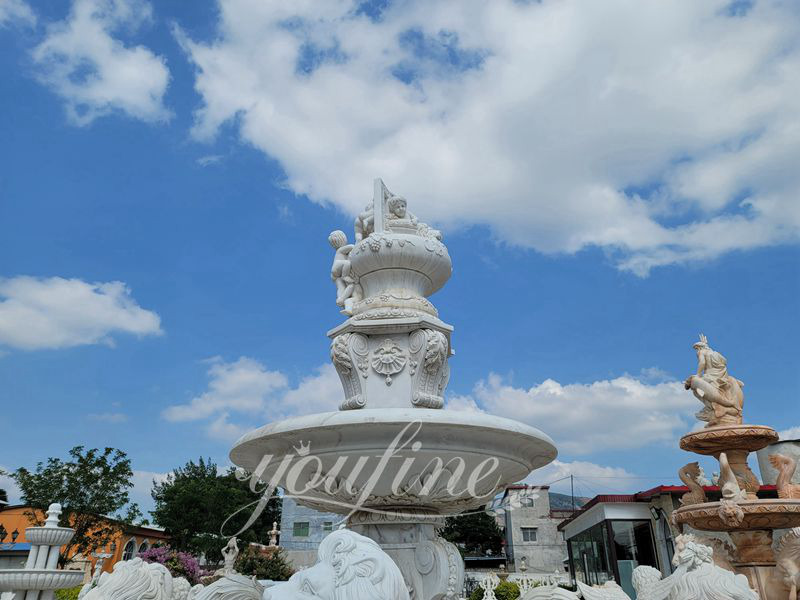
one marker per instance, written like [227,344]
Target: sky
[612,179]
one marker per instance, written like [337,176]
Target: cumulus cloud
[661,132]
[620,413]
[143,482]
[793,433]
[16,11]
[37,313]
[245,387]
[590,478]
[94,71]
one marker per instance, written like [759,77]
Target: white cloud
[95,72]
[16,11]
[53,312]
[661,132]
[793,433]
[246,387]
[588,478]
[243,386]
[211,159]
[584,417]
[142,486]
[108,417]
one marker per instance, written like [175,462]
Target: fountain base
[431,566]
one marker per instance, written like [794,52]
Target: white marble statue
[721,394]
[231,587]
[139,580]
[273,534]
[230,553]
[347,288]
[349,567]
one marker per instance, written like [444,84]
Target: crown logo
[304,449]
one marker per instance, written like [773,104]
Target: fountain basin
[726,438]
[442,438]
[758,514]
[49,536]
[38,579]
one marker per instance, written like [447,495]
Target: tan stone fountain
[750,521]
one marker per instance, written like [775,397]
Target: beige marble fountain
[751,522]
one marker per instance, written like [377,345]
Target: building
[126,544]
[613,534]
[533,541]
[302,530]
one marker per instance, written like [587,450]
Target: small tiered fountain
[41,577]
[749,520]
[391,461]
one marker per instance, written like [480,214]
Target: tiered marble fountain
[392,356]
[750,521]
[41,577]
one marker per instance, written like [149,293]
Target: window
[144,547]
[300,529]
[528,534]
[327,526]
[129,550]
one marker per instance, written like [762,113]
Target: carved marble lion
[350,567]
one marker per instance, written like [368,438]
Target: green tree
[92,488]
[195,500]
[475,534]
[264,564]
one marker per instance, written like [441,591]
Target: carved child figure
[398,209]
[365,222]
[340,269]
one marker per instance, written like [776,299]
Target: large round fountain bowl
[38,579]
[507,450]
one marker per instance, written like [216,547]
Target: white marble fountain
[391,460]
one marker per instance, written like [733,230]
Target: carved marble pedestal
[431,566]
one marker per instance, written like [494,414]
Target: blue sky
[599,217]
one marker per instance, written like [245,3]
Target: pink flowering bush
[180,564]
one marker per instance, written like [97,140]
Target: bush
[268,563]
[180,564]
[68,594]
[507,590]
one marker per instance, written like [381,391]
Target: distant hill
[564,501]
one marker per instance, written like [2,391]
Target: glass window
[327,526]
[300,529]
[143,547]
[129,550]
[633,544]
[528,534]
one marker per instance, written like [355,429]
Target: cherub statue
[348,290]
[365,222]
[230,553]
[721,394]
[398,210]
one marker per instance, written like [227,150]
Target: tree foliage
[475,534]
[92,487]
[269,563]
[195,500]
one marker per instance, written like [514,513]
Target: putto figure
[721,394]
[348,290]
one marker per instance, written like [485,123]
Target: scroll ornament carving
[431,349]
[389,359]
[349,350]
